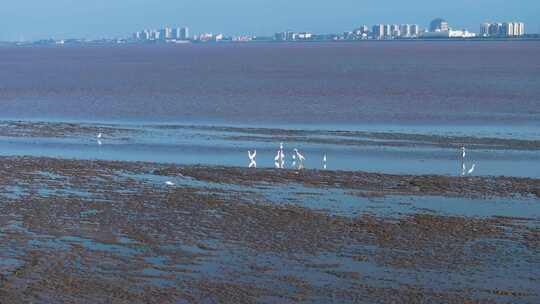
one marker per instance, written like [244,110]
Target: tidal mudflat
[162,208]
[496,151]
[109,231]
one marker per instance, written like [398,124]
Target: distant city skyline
[37,19]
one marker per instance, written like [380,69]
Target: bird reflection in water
[464,170]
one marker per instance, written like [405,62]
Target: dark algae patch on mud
[102,232]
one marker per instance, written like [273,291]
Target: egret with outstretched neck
[300,157]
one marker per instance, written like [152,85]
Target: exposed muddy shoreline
[98,231]
[391,139]
[348,138]
[374,183]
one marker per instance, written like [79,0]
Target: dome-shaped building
[438,25]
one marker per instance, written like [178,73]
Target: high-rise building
[181,33]
[387,30]
[415,30]
[176,33]
[439,25]
[291,36]
[378,31]
[184,33]
[359,33]
[484,29]
[218,37]
[165,34]
[405,30]
[154,35]
[145,35]
[364,29]
[495,29]
[395,30]
[519,28]
[507,29]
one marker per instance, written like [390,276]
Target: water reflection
[189,146]
[465,169]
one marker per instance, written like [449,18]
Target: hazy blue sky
[31,19]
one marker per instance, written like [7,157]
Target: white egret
[169,183]
[280,157]
[463,152]
[252,155]
[252,162]
[99,137]
[301,157]
[324,161]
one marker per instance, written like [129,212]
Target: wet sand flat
[47,129]
[420,151]
[105,231]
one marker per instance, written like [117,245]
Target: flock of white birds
[279,160]
[298,160]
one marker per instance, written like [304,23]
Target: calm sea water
[331,83]
[484,89]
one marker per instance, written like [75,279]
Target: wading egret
[301,157]
[252,162]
